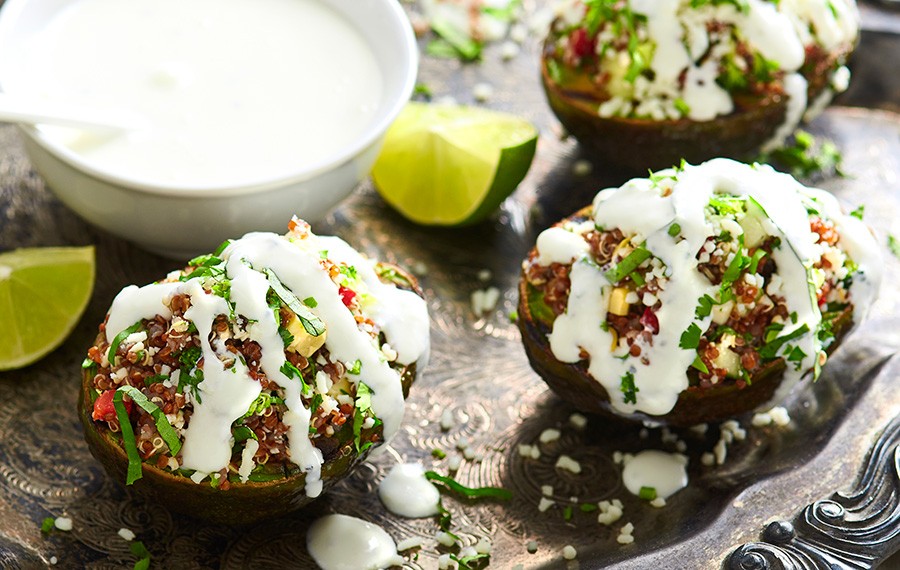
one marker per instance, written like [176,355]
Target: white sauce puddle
[406,492]
[341,542]
[664,472]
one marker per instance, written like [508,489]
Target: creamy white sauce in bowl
[254,109]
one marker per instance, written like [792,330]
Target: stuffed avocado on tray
[480,393]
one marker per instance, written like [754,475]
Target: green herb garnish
[162,426]
[894,245]
[143,555]
[119,338]
[469,492]
[690,339]
[629,390]
[47,525]
[311,323]
[647,493]
[627,265]
[770,350]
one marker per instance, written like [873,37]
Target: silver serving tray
[843,435]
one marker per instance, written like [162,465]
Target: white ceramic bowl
[183,222]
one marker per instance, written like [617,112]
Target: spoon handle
[15,109]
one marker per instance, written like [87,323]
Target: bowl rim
[390,108]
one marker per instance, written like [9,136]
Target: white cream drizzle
[640,208]
[226,394]
[341,542]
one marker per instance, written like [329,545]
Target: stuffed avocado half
[696,294]
[244,385]
[694,79]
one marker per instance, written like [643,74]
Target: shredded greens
[469,492]
[311,323]
[162,426]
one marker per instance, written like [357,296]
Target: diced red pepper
[581,43]
[347,295]
[104,409]
[649,320]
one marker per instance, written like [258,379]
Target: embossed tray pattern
[479,372]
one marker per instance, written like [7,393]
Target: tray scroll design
[854,530]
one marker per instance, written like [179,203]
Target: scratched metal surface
[478,371]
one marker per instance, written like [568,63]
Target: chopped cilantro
[700,365]
[629,390]
[805,156]
[681,106]
[363,405]
[243,433]
[567,512]
[858,213]
[438,453]
[355,368]
[690,338]
[588,507]
[704,306]
[423,90]
[48,524]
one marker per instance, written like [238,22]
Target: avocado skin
[573,383]
[243,503]
[634,145]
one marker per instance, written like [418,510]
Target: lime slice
[43,292]
[451,165]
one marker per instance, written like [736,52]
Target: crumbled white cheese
[569,464]
[531,546]
[547,490]
[545,504]
[484,300]
[483,92]
[582,167]
[454,463]
[531,451]
[484,275]
[409,543]
[549,435]
[658,502]
[509,50]
[578,421]
[483,546]
[126,534]
[53,560]
[569,552]
[444,538]
[63,523]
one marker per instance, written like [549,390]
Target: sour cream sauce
[226,394]
[341,542]
[640,208]
[233,91]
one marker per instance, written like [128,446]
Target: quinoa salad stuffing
[699,59]
[260,361]
[701,276]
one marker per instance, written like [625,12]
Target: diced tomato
[347,295]
[649,320]
[581,43]
[104,409]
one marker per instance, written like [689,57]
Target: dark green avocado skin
[243,503]
[573,383]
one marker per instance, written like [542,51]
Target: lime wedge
[452,165]
[43,292]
